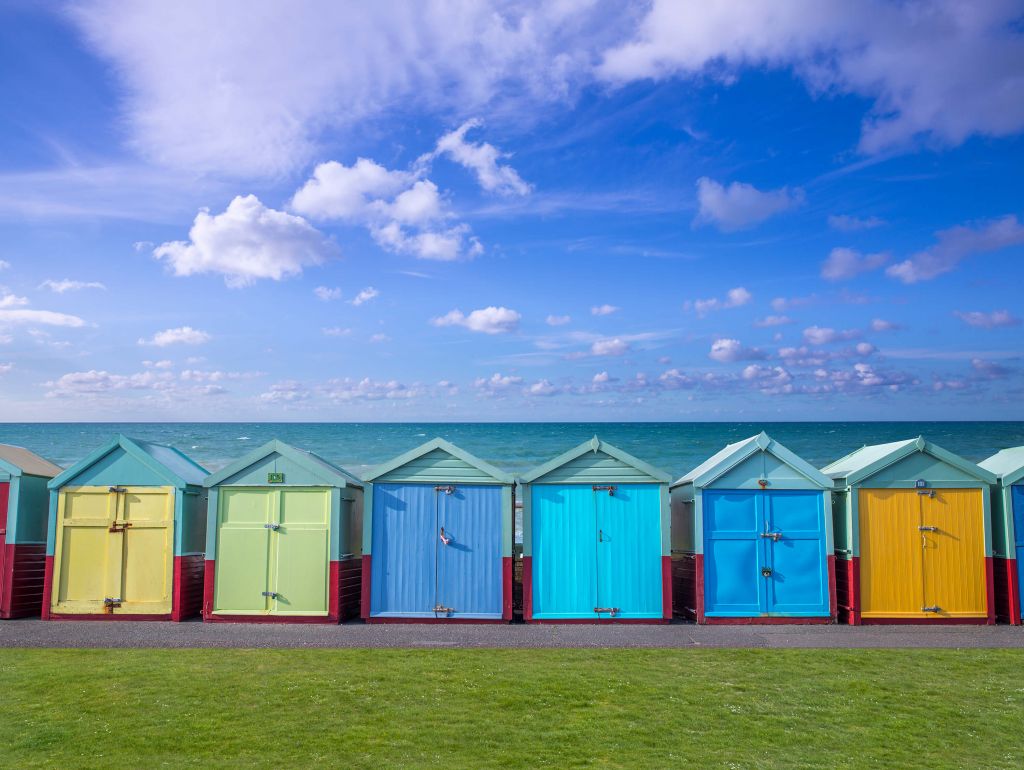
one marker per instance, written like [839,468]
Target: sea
[674,447]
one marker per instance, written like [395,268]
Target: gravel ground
[39,633]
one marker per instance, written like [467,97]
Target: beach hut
[596,539]
[282,541]
[913,535]
[23,507]
[127,526]
[752,538]
[439,542]
[1008,532]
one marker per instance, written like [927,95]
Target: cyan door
[564,551]
[628,551]
[1017,495]
[403,548]
[764,554]
[468,543]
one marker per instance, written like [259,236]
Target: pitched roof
[733,454]
[868,460]
[1007,464]
[445,446]
[313,463]
[172,464]
[25,461]
[595,445]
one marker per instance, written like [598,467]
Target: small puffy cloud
[557,320]
[12,300]
[336,331]
[993,320]
[443,245]
[336,191]
[728,350]
[542,388]
[782,304]
[59,287]
[183,335]
[864,348]
[327,293]
[604,309]
[881,325]
[990,369]
[773,320]
[488,320]
[843,264]
[601,378]
[42,317]
[379,337]
[845,223]
[609,347]
[956,244]
[736,297]
[482,159]
[4,264]
[740,205]
[366,389]
[286,392]
[497,383]
[365,296]
[247,242]
[823,335]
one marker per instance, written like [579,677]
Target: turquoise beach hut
[1008,532]
[596,539]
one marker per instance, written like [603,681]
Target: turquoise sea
[675,447]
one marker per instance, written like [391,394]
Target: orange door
[953,540]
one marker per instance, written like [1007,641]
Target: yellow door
[114,551]
[954,553]
[891,556]
[922,553]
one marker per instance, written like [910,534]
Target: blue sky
[573,210]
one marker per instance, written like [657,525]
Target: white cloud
[956,244]
[336,191]
[845,223]
[4,264]
[542,388]
[183,335]
[96,381]
[728,350]
[488,320]
[864,348]
[497,383]
[773,320]
[843,264]
[734,298]
[365,296]
[601,378]
[609,347]
[366,389]
[557,320]
[12,300]
[379,337]
[481,158]
[286,392]
[740,205]
[44,317]
[823,335]
[881,325]
[60,287]
[336,331]
[939,71]
[606,309]
[327,293]
[993,320]
[782,304]
[247,242]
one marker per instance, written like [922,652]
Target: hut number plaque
[275,478]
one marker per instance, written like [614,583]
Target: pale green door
[272,551]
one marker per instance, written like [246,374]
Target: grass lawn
[508,708]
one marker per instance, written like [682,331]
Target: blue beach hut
[596,538]
[1008,532]
[437,546]
[752,538]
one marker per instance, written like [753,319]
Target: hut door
[891,561]
[734,553]
[1017,500]
[952,535]
[243,550]
[564,551]
[303,552]
[146,521]
[4,497]
[404,536]
[628,518]
[797,583]
[468,547]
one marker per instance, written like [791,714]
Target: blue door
[1017,495]
[403,547]
[628,551]
[765,554]
[596,551]
[468,543]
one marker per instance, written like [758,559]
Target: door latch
[117,490]
[609,488]
[923,528]
[775,536]
[613,611]
[274,527]
[929,492]
[933,608]
[445,538]
[766,572]
[269,594]
[119,526]
[448,490]
[109,605]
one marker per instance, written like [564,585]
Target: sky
[459,211]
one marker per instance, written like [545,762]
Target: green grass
[509,708]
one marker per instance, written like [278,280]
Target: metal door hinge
[448,490]
[933,608]
[929,492]
[610,610]
[924,528]
[609,488]
[117,490]
[109,605]
[119,526]
[440,608]
[776,536]
[274,527]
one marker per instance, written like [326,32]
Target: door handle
[445,538]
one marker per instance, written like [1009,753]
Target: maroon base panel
[22,576]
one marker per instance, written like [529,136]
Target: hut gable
[296,467]
[902,462]
[18,461]
[596,462]
[139,462]
[438,461]
[743,464]
[1007,464]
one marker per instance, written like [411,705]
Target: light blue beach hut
[1008,531]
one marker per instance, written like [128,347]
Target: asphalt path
[108,634]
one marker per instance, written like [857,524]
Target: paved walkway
[39,633]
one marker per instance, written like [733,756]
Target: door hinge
[933,608]
[274,527]
[117,490]
[109,605]
[929,492]
[609,488]
[924,528]
[776,536]
[269,594]
[448,490]
[440,608]
[613,611]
